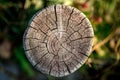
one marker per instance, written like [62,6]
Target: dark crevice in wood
[55,15]
[85,30]
[47,48]
[40,59]
[71,35]
[81,21]
[51,64]
[32,48]
[58,67]
[33,28]
[77,61]
[67,67]
[70,17]
[49,18]
[81,38]
[83,54]
[53,29]
[50,69]
[44,23]
[39,28]
[70,52]
[46,18]
[32,38]
[51,61]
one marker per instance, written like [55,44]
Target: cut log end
[58,40]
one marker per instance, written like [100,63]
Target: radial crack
[81,21]
[77,61]
[67,67]
[50,69]
[69,51]
[81,38]
[83,54]
[70,17]
[32,38]
[39,28]
[32,48]
[58,67]
[33,28]
[55,15]
[43,22]
[50,64]
[40,60]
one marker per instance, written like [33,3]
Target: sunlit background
[103,63]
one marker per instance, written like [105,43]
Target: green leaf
[23,62]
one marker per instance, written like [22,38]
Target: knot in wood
[58,40]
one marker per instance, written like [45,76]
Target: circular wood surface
[58,40]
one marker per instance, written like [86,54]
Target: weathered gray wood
[58,40]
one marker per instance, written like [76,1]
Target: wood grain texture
[58,40]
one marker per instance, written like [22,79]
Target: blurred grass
[23,62]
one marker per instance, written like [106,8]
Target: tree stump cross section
[58,40]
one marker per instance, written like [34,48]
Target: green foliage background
[103,64]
